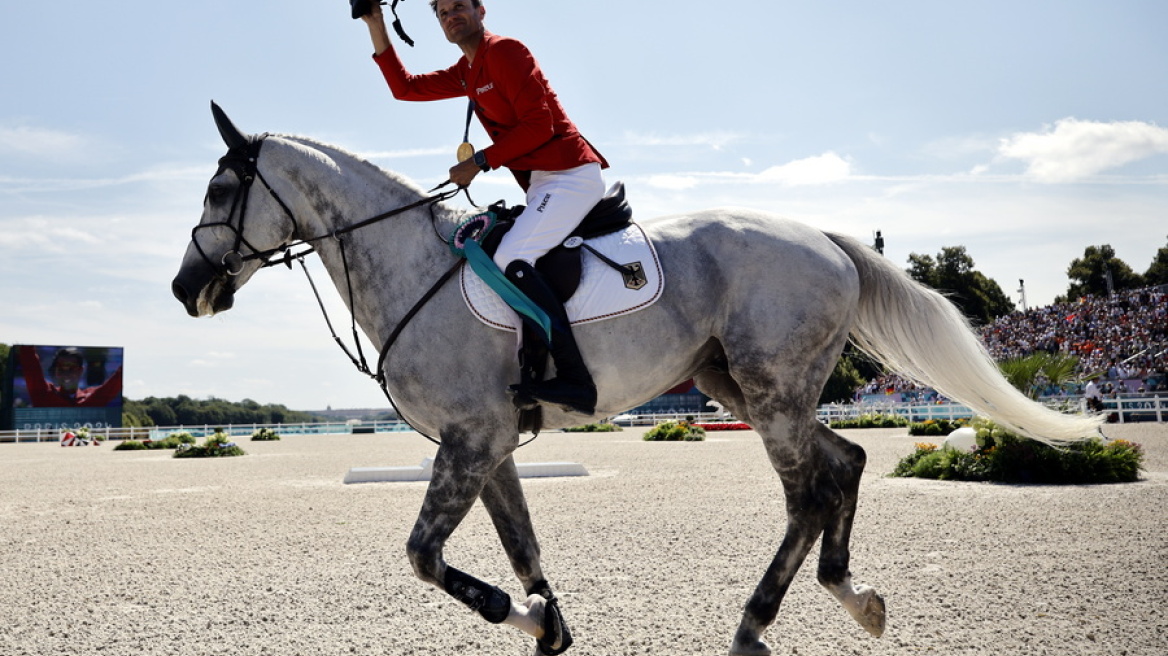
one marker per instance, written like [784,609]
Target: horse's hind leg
[862,602]
[820,472]
[539,616]
[812,499]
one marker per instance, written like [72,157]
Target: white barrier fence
[242,431]
[1126,409]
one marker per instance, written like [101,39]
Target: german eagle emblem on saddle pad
[620,274]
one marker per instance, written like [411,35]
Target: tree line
[182,410]
[1097,273]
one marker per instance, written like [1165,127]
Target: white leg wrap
[528,616]
[863,603]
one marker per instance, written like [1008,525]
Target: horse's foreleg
[538,616]
[459,475]
[862,602]
[503,498]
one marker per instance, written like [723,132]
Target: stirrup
[540,393]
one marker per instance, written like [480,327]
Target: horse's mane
[337,153]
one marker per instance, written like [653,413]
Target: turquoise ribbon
[485,267]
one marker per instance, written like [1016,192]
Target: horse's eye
[218,193]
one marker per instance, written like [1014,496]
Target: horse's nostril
[179,292]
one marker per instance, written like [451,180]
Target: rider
[533,137]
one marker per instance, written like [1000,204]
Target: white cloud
[406,154]
[44,144]
[811,171]
[673,182]
[950,148]
[1074,150]
[715,140]
[162,174]
[821,169]
[44,234]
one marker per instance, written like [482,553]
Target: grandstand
[1122,338]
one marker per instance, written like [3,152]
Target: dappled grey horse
[787,298]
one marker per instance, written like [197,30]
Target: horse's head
[238,229]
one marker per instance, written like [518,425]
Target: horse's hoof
[752,648]
[555,637]
[869,611]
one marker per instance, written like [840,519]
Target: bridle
[243,160]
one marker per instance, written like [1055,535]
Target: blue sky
[1025,131]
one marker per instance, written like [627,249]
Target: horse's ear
[231,134]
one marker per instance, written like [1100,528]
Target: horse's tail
[916,332]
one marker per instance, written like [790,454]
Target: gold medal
[465,152]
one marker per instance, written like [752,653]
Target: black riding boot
[572,388]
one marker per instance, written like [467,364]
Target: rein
[245,164]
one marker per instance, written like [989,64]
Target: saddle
[562,268]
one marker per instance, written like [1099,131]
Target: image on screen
[58,387]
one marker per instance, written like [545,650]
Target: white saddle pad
[603,293]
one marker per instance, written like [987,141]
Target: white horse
[788,296]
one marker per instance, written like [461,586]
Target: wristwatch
[480,159]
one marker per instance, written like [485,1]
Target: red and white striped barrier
[81,438]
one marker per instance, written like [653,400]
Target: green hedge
[1004,457]
[218,445]
[872,420]
[603,427]
[172,441]
[675,431]
[265,435]
[936,426]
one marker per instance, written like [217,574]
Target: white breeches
[556,203]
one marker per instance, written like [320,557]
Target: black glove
[361,7]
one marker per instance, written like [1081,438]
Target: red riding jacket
[513,100]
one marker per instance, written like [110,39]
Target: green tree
[185,411]
[842,383]
[136,414]
[1089,274]
[1032,373]
[1157,273]
[852,371]
[952,273]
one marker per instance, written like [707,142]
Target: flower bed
[675,431]
[216,446]
[872,420]
[724,426]
[1004,457]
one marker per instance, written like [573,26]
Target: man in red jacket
[65,390]
[533,137]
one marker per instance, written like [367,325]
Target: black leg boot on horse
[572,388]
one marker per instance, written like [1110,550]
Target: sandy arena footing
[655,552]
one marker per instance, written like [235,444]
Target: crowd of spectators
[1122,338]
[908,390]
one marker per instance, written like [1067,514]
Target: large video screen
[59,387]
